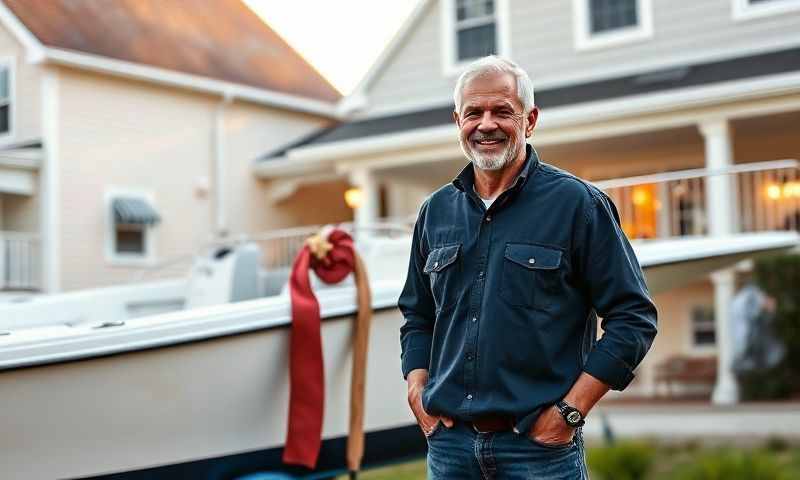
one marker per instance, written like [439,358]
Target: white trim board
[33,47]
[569,123]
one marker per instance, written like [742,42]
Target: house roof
[220,39]
[686,76]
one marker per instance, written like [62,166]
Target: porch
[21,264]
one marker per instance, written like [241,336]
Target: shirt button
[469,356]
[531,261]
[488,218]
[469,396]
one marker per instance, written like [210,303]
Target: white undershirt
[487,202]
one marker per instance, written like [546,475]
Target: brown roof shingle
[221,39]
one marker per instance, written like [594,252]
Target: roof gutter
[188,81]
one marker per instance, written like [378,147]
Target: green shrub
[775,443]
[625,460]
[732,465]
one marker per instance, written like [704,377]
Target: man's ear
[455,118]
[533,116]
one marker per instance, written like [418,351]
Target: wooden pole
[355,439]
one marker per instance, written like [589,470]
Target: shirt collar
[465,180]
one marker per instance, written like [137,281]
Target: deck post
[367,212]
[721,211]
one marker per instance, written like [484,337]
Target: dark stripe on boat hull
[382,447]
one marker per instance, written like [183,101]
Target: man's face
[492,123]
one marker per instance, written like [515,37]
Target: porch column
[721,198]
[367,213]
[721,212]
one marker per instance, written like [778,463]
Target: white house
[127,133]
[626,88]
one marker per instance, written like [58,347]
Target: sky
[340,38]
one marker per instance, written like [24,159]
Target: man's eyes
[500,113]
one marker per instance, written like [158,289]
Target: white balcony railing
[19,261]
[674,203]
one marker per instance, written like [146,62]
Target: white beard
[488,162]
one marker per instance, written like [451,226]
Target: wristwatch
[572,415]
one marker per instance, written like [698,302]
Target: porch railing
[767,197]
[20,261]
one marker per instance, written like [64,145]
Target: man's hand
[416,383]
[550,428]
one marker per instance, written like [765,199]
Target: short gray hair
[495,64]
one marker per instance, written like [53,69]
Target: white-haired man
[510,265]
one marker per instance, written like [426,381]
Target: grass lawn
[668,462]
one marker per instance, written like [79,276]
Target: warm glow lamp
[354,197]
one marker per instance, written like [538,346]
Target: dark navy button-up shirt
[500,304]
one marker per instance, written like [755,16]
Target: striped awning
[135,210]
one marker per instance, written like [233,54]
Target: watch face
[574,417]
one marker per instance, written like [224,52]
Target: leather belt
[492,423]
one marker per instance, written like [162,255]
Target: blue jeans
[461,453]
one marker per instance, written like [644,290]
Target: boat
[188,377]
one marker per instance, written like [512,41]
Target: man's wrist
[417,377]
[582,406]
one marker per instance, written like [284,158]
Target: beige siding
[133,135]
[251,131]
[25,90]
[542,42]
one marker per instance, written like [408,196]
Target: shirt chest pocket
[531,275]
[442,267]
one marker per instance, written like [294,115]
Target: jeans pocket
[550,446]
[439,425]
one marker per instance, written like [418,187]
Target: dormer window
[473,29]
[476,29]
[606,23]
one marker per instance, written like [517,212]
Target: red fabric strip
[306,368]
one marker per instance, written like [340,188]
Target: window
[604,23]
[5,97]
[473,29]
[131,222]
[703,330]
[747,9]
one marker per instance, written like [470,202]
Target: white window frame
[10,63]
[744,10]
[449,36]
[586,40]
[128,259]
[701,349]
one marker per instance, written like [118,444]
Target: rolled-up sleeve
[618,293]
[416,305]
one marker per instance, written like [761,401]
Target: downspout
[219,208]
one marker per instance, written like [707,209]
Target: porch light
[774,192]
[641,196]
[787,190]
[354,197]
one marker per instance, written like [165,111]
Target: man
[509,264]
